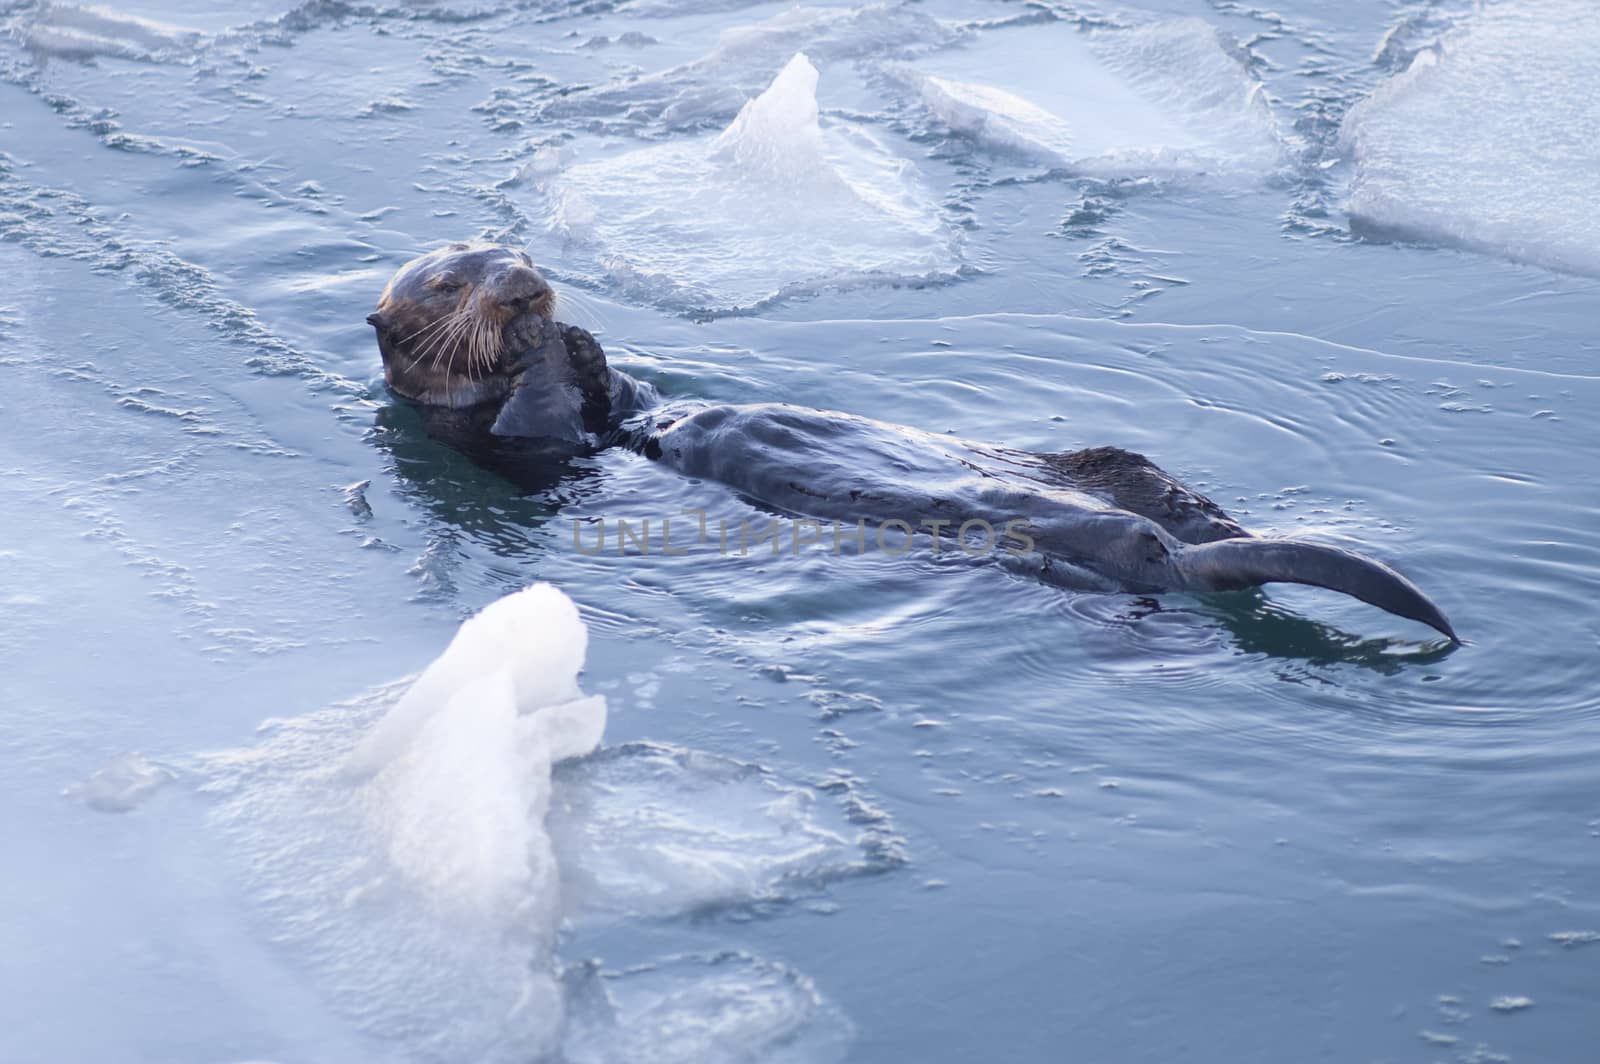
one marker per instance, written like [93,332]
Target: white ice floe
[774,203]
[526,649]
[1490,140]
[398,842]
[460,767]
[1167,98]
[416,851]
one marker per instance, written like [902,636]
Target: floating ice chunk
[776,135]
[1164,98]
[413,850]
[537,640]
[774,203]
[463,761]
[1491,141]
[1574,939]
[412,866]
[122,784]
[462,808]
[999,118]
[81,32]
[645,829]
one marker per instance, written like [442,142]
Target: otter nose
[520,288]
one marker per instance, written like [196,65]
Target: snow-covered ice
[1166,98]
[795,205]
[1490,140]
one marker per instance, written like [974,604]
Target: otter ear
[378,321]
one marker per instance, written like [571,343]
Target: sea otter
[468,333]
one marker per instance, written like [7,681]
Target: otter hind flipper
[1130,481]
[1233,564]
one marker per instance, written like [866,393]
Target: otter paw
[586,358]
[582,347]
[524,333]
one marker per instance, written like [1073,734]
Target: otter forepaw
[582,347]
[587,358]
[524,333]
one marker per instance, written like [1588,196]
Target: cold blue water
[1335,265]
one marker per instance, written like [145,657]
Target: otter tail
[1232,564]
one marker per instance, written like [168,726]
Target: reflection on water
[427,447]
[1259,626]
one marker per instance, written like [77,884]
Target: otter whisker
[462,340]
[448,363]
[424,344]
[438,340]
[490,334]
[441,343]
[489,345]
[452,338]
[465,337]
[473,341]
[451,342]
[471,345]
[589,314]
[422,351]
[431,325]
[432,344]
[475,350]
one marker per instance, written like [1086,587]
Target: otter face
[442,321]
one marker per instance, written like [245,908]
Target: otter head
[442,321]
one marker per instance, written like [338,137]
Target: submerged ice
[122,784]
[419,849]
[729,1008]
[1164,98]
[1490,140]
[716,832]
[774,203]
